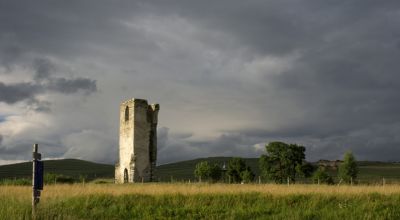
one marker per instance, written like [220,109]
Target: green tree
[202,170]
[247,176]
[236,165]
[50,178]
[321,176]
[348,170]
[215,172]
[305,169]
[282,161]
[238,171]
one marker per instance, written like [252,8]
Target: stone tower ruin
[137,141]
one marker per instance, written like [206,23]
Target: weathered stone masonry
[137,141]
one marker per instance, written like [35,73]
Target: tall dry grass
[60,191]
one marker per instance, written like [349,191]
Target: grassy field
[203,201]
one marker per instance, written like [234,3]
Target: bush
[247,176]
[321,176]
[238,171]
[208,172]
[17,182]
[65,179]
[52,178]
[348,170]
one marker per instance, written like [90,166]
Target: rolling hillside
[67,167]
[180,171]
[183,170]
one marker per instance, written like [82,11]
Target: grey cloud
[44,81]
[13,93]
[267,26]
[44,69]
[54,28]
[9,55]
[175,148]
[21,149]
[91,145]
[39,106]
[339,92]
[17,150]
[69,86]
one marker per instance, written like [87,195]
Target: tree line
[282,163]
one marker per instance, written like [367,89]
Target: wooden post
[37,178]
[318,180]
[351,180]
[259,179]
[383,181]
[35,150]
[288,181]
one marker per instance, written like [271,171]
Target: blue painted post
[37,178]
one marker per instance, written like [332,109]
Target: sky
[230,76]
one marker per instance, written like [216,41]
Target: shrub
[321,176]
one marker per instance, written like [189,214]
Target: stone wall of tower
[137,141]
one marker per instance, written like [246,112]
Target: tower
[137,141]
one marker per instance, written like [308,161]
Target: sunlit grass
[204,201]
[52,191]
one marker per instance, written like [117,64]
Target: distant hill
[183,170]
[73,167]
[370,171]
[68,167]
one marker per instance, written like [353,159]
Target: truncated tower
[137,141]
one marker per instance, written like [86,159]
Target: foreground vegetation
[203,201]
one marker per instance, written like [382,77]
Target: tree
[321,176]
[207,172]
[283,161]
[348,170]
[247,176]
[236,165]
[238,171]
[202,170]
[215,172]
[305,169]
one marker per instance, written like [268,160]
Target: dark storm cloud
[57,28]
[69,86]
[345,81]
[281,26]
[44,82]
[340,91]
[45,70]
[13,93]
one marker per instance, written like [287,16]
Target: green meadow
[203,201]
